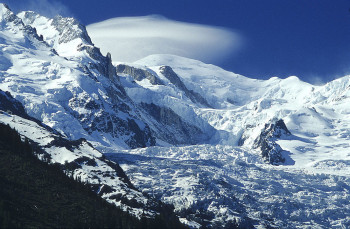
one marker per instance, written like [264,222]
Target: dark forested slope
[36,194]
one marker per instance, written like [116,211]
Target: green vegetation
[34,194]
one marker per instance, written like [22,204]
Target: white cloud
[132,38]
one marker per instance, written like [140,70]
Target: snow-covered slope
[211,138]
[239,108]
[64,81]
[61,77]
[77,158]
[302,127]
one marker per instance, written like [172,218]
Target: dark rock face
[270,150]
[169,73]
[280,129]
[139,137]
[9,104]
[138,74]
[104,65]
[170,128]
[110,69]
[105,117]
[86,160]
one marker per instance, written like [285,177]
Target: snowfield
[220,147]
[225,180]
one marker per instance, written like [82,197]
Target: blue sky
[306,38]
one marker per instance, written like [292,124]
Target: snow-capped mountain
[63,80]
[222,148]
[310,118]
[287,122]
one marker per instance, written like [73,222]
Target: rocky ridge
[266,142]
[67,78]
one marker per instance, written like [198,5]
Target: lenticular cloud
[132,38]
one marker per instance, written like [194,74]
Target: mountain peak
[69,29]
[5,12]
[3,7]
[60,29]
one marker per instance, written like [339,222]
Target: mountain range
[225,150]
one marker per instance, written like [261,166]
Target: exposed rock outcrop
[266,142]
[169,73]
[170,127]
[138,74]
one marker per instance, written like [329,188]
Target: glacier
[222,148]
[229,178]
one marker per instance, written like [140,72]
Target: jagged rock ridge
[138,74]
[266,142]
[78,82]
[168,72]
[169,127]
